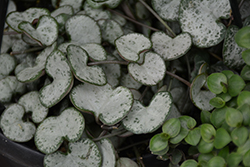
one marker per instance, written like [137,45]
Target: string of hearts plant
[82,76]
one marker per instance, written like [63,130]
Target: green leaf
[205,157]
[207,132]
[204,28]
[224,152]
[13,19]
[78,59]
[45,33]
[31,103]
[171,48]
[239,136]
[244,109]
[193,136]
[58,68]
[129,46]
[172,127]
[158,143]
[14,127]
[243,149]
[147,73]
[177,139]
[234,118]
[200,97]
[205,116]
[228,73]
[221,139]
[189,163]
[218,117]
[205,147]
[82,30]
[216,161]
[225,96]
[246,56]
[235,85]
[7,65]
[50,133]
[217,82]
[81,153]
[246,158]
[243,98]
[234,159]
[108,105]
[107,151]
[187,122]
[142,119]
[167,10]
[108,3]
[217,102]
[242,37]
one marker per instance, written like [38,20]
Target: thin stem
[144,93]
[241,3]
[138,156]
[132,145]
[158,17]
[171,81]
[179,78]
[10,33]
[107,62]
[214,55]
[26,51]
[110,135]
[132,20]
[188,66]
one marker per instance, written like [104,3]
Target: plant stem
[10,33]
[132,145]
[134,21]
[138,156]
[188,66]
[144,93]
[241,3]
[179,78]
[158,17]
[110,135]
[27,51]
[214,55]
[171,81]
[108,62]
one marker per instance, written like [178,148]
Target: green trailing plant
[88,74]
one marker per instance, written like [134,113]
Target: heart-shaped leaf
[200,97]
[108,3]
[217,83]
[31,74]
[243,98]
[242,37]
[129,46]
[45,33]
[217,102]
[81,153]
[95,13]
[78,60]
[151,72]
[13,126]
[246,56]
[234,117]
[58,68]
[10,86]
[195,18]
[129,82]
[107,151]
[204,147]
[235,85]
[172,127]
[111,30]
[167,9]
[76,4]
[168,48]
[82,30]
[193,136]
[222,138]
[216,161]
[207,132]
[246,115]
[7,65]
[217,117]
[159,144]
[239,136]
[234,159]
[109,105]
[147,119]
[31,103]
[13,19]
[243,149]
[231,51]
[50,133]
[177,139]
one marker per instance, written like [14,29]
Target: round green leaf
[218,116]
[129,46]
[222,138]
[246,158]
[235,85]
[171,48]
[239,136]
[243,98]
[189,163]
[243,149]
[151,72]
[234,118]
[58,68]
[158,143]
[217,102]
[204,28]
[207,132]
[177,139]
[205,116]
[244,109]
[225,96]
[217,82]
[82,30]
[50,133]
[45,33]
[7,65]
[108,105]
[242,37]
[81,153]
[246,56]
[78,59]
[14,127]
[172,127]
[187,122]
[216,161]
[193,136]
[142,119]
[205,157]
[205,147]
[224,152]
[234,159]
